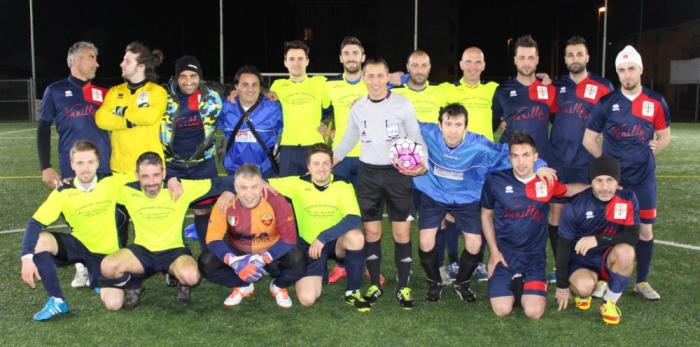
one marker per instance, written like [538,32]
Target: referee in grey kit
[377,121]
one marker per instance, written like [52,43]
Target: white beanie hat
[628,55]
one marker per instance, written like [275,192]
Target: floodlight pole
[32,83]
[221,41]
[415,25]
[605,35]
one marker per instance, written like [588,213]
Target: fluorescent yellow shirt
[158,220]
[302,104]
[138,130]
[426,102]
[317,210]
[343,94]
[477,100]
[91,215]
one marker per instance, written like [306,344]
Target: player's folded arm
[564,247]
[31,236]
[628,235]
[349,222]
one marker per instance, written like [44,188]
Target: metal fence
[17,100]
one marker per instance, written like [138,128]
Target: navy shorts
[155,262]
[569,174]
[348,169]
[532,269]
[380,185]
[318,267]
[202,170]
[596,262]
[293,160]
[71,251]
[646,196]
[467,216]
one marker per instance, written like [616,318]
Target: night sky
[255,31]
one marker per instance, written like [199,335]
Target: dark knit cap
[604,166]
[187,62]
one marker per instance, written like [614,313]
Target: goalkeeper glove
[246,270]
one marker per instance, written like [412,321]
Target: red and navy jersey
[188,126]
[526,108]
[627,127]
[574,105]
[520,210]
[588,216]
[71,104]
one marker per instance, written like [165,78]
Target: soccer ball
[406,154]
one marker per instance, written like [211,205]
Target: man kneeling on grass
[252,234]
[597,235]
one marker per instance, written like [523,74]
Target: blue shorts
[646,196]
[71,251]
[596,262]
[318,267]
[532,270]
[155,262]
[467,216]
[348,168]
[293,160]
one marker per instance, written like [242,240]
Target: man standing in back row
[636,126]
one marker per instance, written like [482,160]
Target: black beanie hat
[187,62]
[604,166]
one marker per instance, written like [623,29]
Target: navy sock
[644,252]
[467,265]
[47,270]
[452,241]
[201,222]
[617,282]
[553,231]
[373,256]
[440,245]
[429,262]
[402,257]
[354,265]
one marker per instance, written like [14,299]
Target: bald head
[472,65]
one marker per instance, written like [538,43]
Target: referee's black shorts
[378,185]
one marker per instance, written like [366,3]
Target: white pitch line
[12,231]
[16,131]
[17,137]
[675,244]
[661,242]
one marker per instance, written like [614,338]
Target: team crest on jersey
[509,189]
[615,107]
[232,220]
[513,93]
[266,219]
[96,94]
[647,109]
[620,211]
[591,91]
[142,99]
[68,93]
[540,189]
[562,90]
[589,215]
[542,93]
